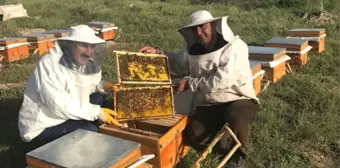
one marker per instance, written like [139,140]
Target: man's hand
[109,86]
[108,116]
[182,86]
[149,50]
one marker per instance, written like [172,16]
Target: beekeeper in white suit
[217,64]
[57,95]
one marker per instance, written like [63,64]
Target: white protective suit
[54,94]
[217,77]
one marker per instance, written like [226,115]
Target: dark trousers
[208,120]
[55,132]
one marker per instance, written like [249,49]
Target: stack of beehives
[18,48]
[278,53]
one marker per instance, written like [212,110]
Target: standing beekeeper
[216,63]
[63,93]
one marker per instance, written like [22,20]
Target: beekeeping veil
[83,51]
[202,17]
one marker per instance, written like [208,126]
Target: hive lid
[291,44]
[82,148]
[143,102]
[262,53]
[12,40]
[36,37]
[139,68]
[100,24]
[306,32]
[58,32]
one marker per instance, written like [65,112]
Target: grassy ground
[298,123]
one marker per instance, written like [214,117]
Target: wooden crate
[293,46]
[76,149]
[139,68]
[58,33]
[274,74]
[162,137]
[40,42]
[261,53]
[315,37]
[13,49]
[100,24]
[256,69]
[143,102]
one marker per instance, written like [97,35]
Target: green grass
[298,123]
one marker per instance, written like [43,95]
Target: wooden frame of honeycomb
[143,102]
[140,68]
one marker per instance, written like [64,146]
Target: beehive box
[13,49]
[40,42]
[261,53]
[58,33]
[143,102]
[139,68]
[273,61]
[315,36]
[257,73]
[105,30]
[162,137]
[82,148]
[297,49]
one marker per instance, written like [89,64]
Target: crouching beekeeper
[65,90]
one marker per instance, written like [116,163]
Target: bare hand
[148,50]
[182,86]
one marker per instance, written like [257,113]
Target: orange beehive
[105,30]
[58,33]
[162,137]
[13,49]
[315,36]
[40,42]
[297,49]
[273,61]
[257,73]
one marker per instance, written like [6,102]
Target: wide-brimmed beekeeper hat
[83,33]
[200,17]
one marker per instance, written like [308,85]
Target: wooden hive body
[273,74]
[13,49]
[297,49]
[316,37]
[162,137]
[106,30]
[256,69]
[40,42]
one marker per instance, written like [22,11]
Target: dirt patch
[319,158]
[6,86]
[320,18]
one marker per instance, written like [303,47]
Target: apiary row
[278,54]
[18,48]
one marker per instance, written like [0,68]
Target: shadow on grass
[12,151]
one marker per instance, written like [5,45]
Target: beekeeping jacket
[58,89]
[220,76]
